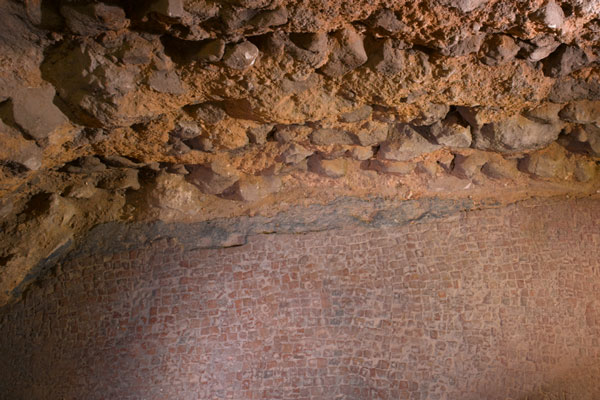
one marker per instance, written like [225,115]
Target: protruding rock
[550,163]
[370,133]
[468,45]
[168,8]
[551,15]
[214,177]
[451,132]
[467,166]
[404,144]
[166,82]
[388,57]
[582,112]
[583,139]
[501,169]
[309,48]
[185,130]
[325,137]
[259,134]
[241,55]
[211,51]
[86,165]
[546,113]
[565,60]
[516,133]
[539,48]
[292,133]
[35,112]
[94,18]
[254,188]
[361,153]
[498,49]
[269,18]
[386,21]
[430,113]
[585,170]
[358,114]
[467,5]
[391,167]
[209,113]
[125,179]
[348,53]
[331,168]
[295,154]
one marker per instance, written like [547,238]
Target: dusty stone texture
[283,91]
[490,304]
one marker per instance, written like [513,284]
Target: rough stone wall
[491,304]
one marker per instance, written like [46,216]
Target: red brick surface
[492,304]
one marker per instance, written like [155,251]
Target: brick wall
[493,304]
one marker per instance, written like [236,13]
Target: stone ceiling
[200,111]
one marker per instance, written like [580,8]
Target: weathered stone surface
[169,8]
[391,167]
[209,113]
[325,137]
[370,133]
[551,163]
[468,166]
[93,19]
[35,113]
[211,51]
[310,48]
[258,135]
[241,56]
[467,5]
[403,144]
[389,57]
[467,45]
[254,188]
[582,112]
[498,49]
[516,133]
[361,153]
[357,115]
[330,168]
[295,153]
[213,178]
[564,60]
[347,53]
[451,132]
[166,82]
[551,15]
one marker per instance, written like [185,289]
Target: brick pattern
[492,304]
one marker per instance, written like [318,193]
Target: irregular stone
[326,136]
[501,169]
[585,170]
[93,19]
[451,132]
[517,133]
[16,149]
[347,53]
[214,177]
[385,21]
[468,45]
[201,143]
[309,48]
[551,15]
[361,153]
[583,139]
[178,147]
[357,115]
[404,144]
[125,179]
[118,161]
[254,188]
[209,113]
[292,133]
[168,8]
[540,48]
[430,113]
[331,168]
[295,153]
[241,55]
[134,50]
[86,165]
[258,134]
[550,163]
[269,18]
[388,57]
[35,113]
[582,112]
[185,130]
[86,190]
[467,6]
[211,51]
[391,167]
[564,60]
[166,82]
[569,89]
[467,166]
[370,133]
[546,113]
[498,49]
